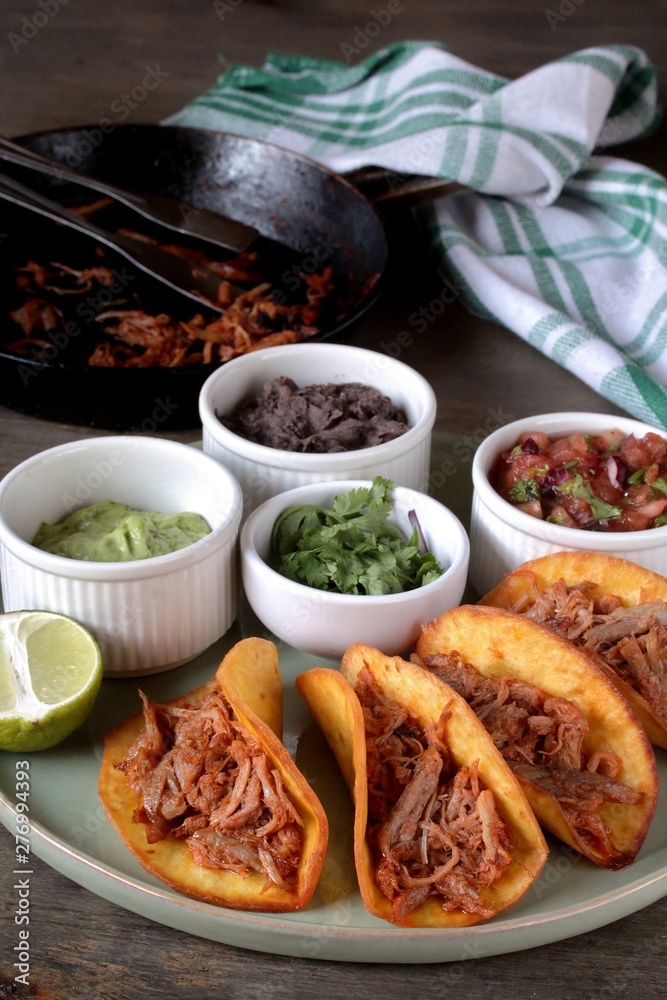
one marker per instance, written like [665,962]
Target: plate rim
[287,935]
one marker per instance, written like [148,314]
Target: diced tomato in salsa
[601,482]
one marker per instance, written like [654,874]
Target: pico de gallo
[610,481]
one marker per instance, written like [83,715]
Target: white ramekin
[148,615]
[326,624]
[502,537]
[264,472]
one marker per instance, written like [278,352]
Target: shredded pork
[632,641]
[256,312]
[199,774]
[433,828]
[542,739]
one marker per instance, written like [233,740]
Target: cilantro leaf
[525,490]
[602,510]
[352,547]
[293,524]
[575,486]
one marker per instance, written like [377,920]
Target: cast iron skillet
[294,203]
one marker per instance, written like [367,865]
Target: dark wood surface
[74,71]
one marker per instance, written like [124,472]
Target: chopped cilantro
[600,509]
[659,521]
[638,476]
[525,490]
[352,548]
[659,484]
[575,486]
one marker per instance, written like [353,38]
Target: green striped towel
[563,247]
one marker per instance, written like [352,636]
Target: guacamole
[108,531]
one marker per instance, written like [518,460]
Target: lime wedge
[50,674]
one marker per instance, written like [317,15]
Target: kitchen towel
[555,238]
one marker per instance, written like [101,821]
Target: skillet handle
[382,184]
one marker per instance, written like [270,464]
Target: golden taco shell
[426,700]
[248,683]
[605,577]
[604,731]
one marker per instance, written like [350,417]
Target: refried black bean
[317,418]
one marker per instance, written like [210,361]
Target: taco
[613,609]
[443,834]
[206,797]
[569,736]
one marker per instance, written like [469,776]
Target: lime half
[50,674]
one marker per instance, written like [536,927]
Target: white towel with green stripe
[566,248]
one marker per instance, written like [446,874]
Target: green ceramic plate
[68,830]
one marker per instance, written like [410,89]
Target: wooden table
[77,66]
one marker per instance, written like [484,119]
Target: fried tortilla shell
[610,576]
[500,644]
[338,711]
[249,680]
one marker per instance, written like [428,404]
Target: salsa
[610,481]
[108,531]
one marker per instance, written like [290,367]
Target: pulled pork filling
[199,774]
[433,828]
[255,313]
[631,641]
[541,738]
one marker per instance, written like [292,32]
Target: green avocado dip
[109,531]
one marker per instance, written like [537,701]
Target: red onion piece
[553,478]
[617,470]
[414,521]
